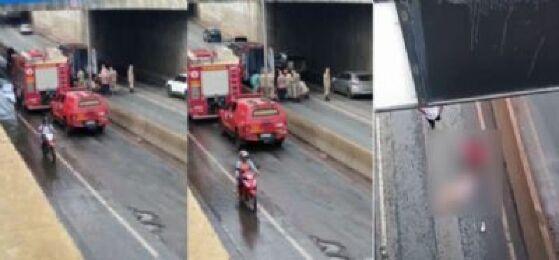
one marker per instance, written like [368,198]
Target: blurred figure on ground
[105,80]
[326,81]
[255,81]
[282,85]
[432,114]
[131,78]
[81,78]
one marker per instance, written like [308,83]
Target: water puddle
[149,219]
[332,249]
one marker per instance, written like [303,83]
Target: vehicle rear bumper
[204,116]
[37,107]
[84,123]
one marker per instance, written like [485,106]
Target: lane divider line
[99,198]
[274,223]
[532,189]
[504,219]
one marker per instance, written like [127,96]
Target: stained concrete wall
[233,17]
[154,41]
[335,35]
[67,26]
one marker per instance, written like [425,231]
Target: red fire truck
[37,76]
[214,80]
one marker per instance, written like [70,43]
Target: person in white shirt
[432,114]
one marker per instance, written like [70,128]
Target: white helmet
[243,154]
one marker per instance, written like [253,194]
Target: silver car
[353,83]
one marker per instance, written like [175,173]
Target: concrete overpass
[36,5]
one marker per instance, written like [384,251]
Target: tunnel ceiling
[37,5]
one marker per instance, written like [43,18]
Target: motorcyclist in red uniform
[243,165]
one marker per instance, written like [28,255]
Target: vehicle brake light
[280,125]
[255,128]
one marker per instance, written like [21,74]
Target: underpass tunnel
[153,41]
[332,35]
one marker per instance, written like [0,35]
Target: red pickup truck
[80,109]
[254,119]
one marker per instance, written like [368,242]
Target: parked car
[353,83]
[212,35]
[177,86]
[25,28]
[254,119]
[80,109]
[7,90]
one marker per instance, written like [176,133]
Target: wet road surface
[408,226]
[115,198]
[318,203]
[350,118]
[311,206]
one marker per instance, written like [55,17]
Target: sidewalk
[30,228]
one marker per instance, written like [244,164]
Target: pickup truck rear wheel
[169,91]
[67,127]
[239,143]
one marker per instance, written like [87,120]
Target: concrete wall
[154,41]
[234,17]
[61,26]
[335,35]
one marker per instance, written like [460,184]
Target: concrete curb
[169,142]
[350,154]
[531,216]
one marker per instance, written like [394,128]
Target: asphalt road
[408,226]
[309,201]
[116,199]
[350,118]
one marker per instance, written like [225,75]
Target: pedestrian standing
[131,78]
[326,82]
[289,84]
[105,79]
[255,82]
[114,78]
[296,83]
[282,85]
[81,78]
[432,114]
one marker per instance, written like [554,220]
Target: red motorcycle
[247,190]
[48,147]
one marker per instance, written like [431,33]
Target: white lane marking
[504,219]
[282,231]
[380,182]
[99,198]
[345,112]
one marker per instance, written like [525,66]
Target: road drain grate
[149,219]
[332,249]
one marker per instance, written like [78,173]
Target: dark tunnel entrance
[338,36]
[153,41]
